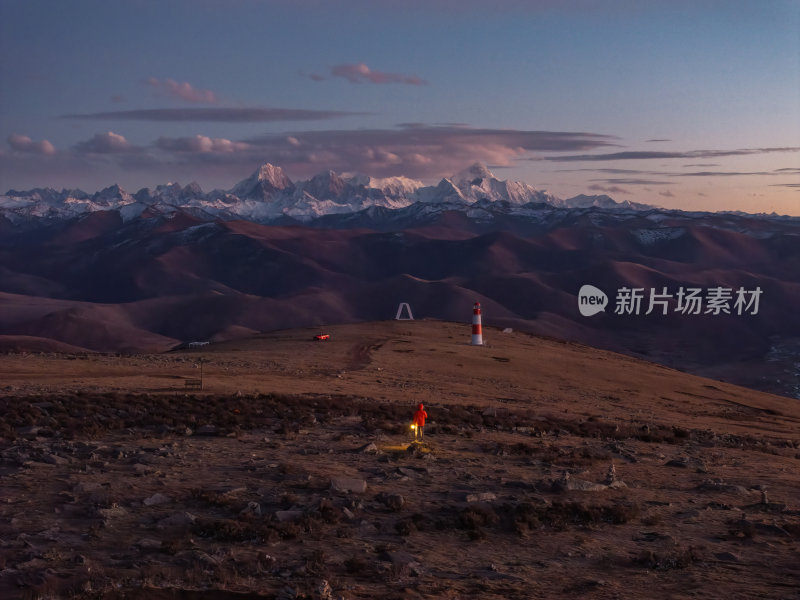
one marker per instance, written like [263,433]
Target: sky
[691,105]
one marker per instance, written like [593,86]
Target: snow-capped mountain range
[268,195]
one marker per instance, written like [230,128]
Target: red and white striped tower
[477,334]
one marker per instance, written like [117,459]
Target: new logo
[591,300]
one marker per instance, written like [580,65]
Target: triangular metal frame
[399,316]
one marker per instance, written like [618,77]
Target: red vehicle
[321,337]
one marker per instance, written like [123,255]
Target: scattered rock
[87,487]
[727,557]
[392,501]
[348,484]
[157,499]
[55,459]
[229,493]
[684,462]
[109,514]
[482,497]
[568,483]
[285,516]
[148,544]
[207,430]
[324,591]
[28,431]
[585,486]
[403,563]
[711,485]
[176,520]
[289,593]
[611,476]
[252,509]
[367,528]
[418,449]
[266,561]
[370,448]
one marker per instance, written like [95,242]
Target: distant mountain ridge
[121,272]
[269,196]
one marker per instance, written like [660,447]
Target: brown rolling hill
[151,283]
[549,469]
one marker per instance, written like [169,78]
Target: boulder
[176,520]
[348,484]
[157,499]
[370,448]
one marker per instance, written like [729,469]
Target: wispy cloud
[787,171]
[182,90]
[658,140]
[201,144]
[633,181]
[414,150]
[720,173]
[609,189]
[417,150]
[649,155]
[22,143]
[219,115]
[105,143]
[361,73]
[610,171]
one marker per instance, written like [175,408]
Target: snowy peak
[445,191]
[268,195]
[475,175]
[477,183]
[325,186]
[602,201]
[273,175]
[112,196]
[263,183]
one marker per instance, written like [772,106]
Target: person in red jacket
[419,422]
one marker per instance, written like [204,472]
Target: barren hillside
[548,470]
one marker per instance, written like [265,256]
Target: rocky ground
[595,476]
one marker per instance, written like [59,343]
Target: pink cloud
[201,144]
[104,143]
[183,90]
[414,150]
[22,143]
[361,73]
